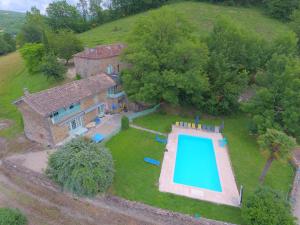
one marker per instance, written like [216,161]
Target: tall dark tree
[61,15]
[33,28]
[7,43]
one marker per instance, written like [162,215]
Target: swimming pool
[196,163]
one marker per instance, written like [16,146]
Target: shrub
[78,77]
[12,217]
[124,123]
[265,206]
[81,167]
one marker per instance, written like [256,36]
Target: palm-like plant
[278,145]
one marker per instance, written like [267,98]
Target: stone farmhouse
[52,115]
[101,59]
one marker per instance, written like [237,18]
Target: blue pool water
[196,163]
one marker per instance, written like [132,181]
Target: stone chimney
[26,91]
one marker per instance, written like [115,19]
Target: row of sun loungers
[199,126]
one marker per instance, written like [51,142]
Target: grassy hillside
[11,22]
[13,78]
[201,15]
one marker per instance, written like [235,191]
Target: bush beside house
[81,167]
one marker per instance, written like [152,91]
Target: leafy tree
[33,28]
[10,216]
[235,57]
[7,43]
[235,2]
[96,10]
[61,15]
[65,44]
[277,99]
[129,7]
[33,55]
[168,64]
[52,68]
[281,9]
[81,167]
[265,206]
[29,34]
[82,6]
[284,44]
[277,144]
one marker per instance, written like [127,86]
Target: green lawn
[136,180]
[201,15]
[13,78]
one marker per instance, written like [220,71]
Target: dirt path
[147,130]
[46,208]
[44,203]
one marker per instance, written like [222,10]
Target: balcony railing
[116,95]
[64,113]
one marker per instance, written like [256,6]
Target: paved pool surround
[229,194]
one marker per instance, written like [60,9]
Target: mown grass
[13,79]
[201,15]
[138,181]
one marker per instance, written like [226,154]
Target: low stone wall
[130,208]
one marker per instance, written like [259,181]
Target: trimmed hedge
[124,123]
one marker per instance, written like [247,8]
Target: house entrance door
[101,110]
[75,123]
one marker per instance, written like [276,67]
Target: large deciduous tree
[65,44]
[267,207]
[235,57]
[33,29]
[277,100]
[277,144]
[61,15]
[167,62]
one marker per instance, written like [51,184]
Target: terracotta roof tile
[101,51]
[53,99]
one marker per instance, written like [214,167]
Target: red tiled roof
[53,99]
[101,51]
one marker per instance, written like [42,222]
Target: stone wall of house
[59,132]
[91,101]
[36,127]
[90,116]
[89,67]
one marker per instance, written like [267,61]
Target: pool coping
[228,196]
